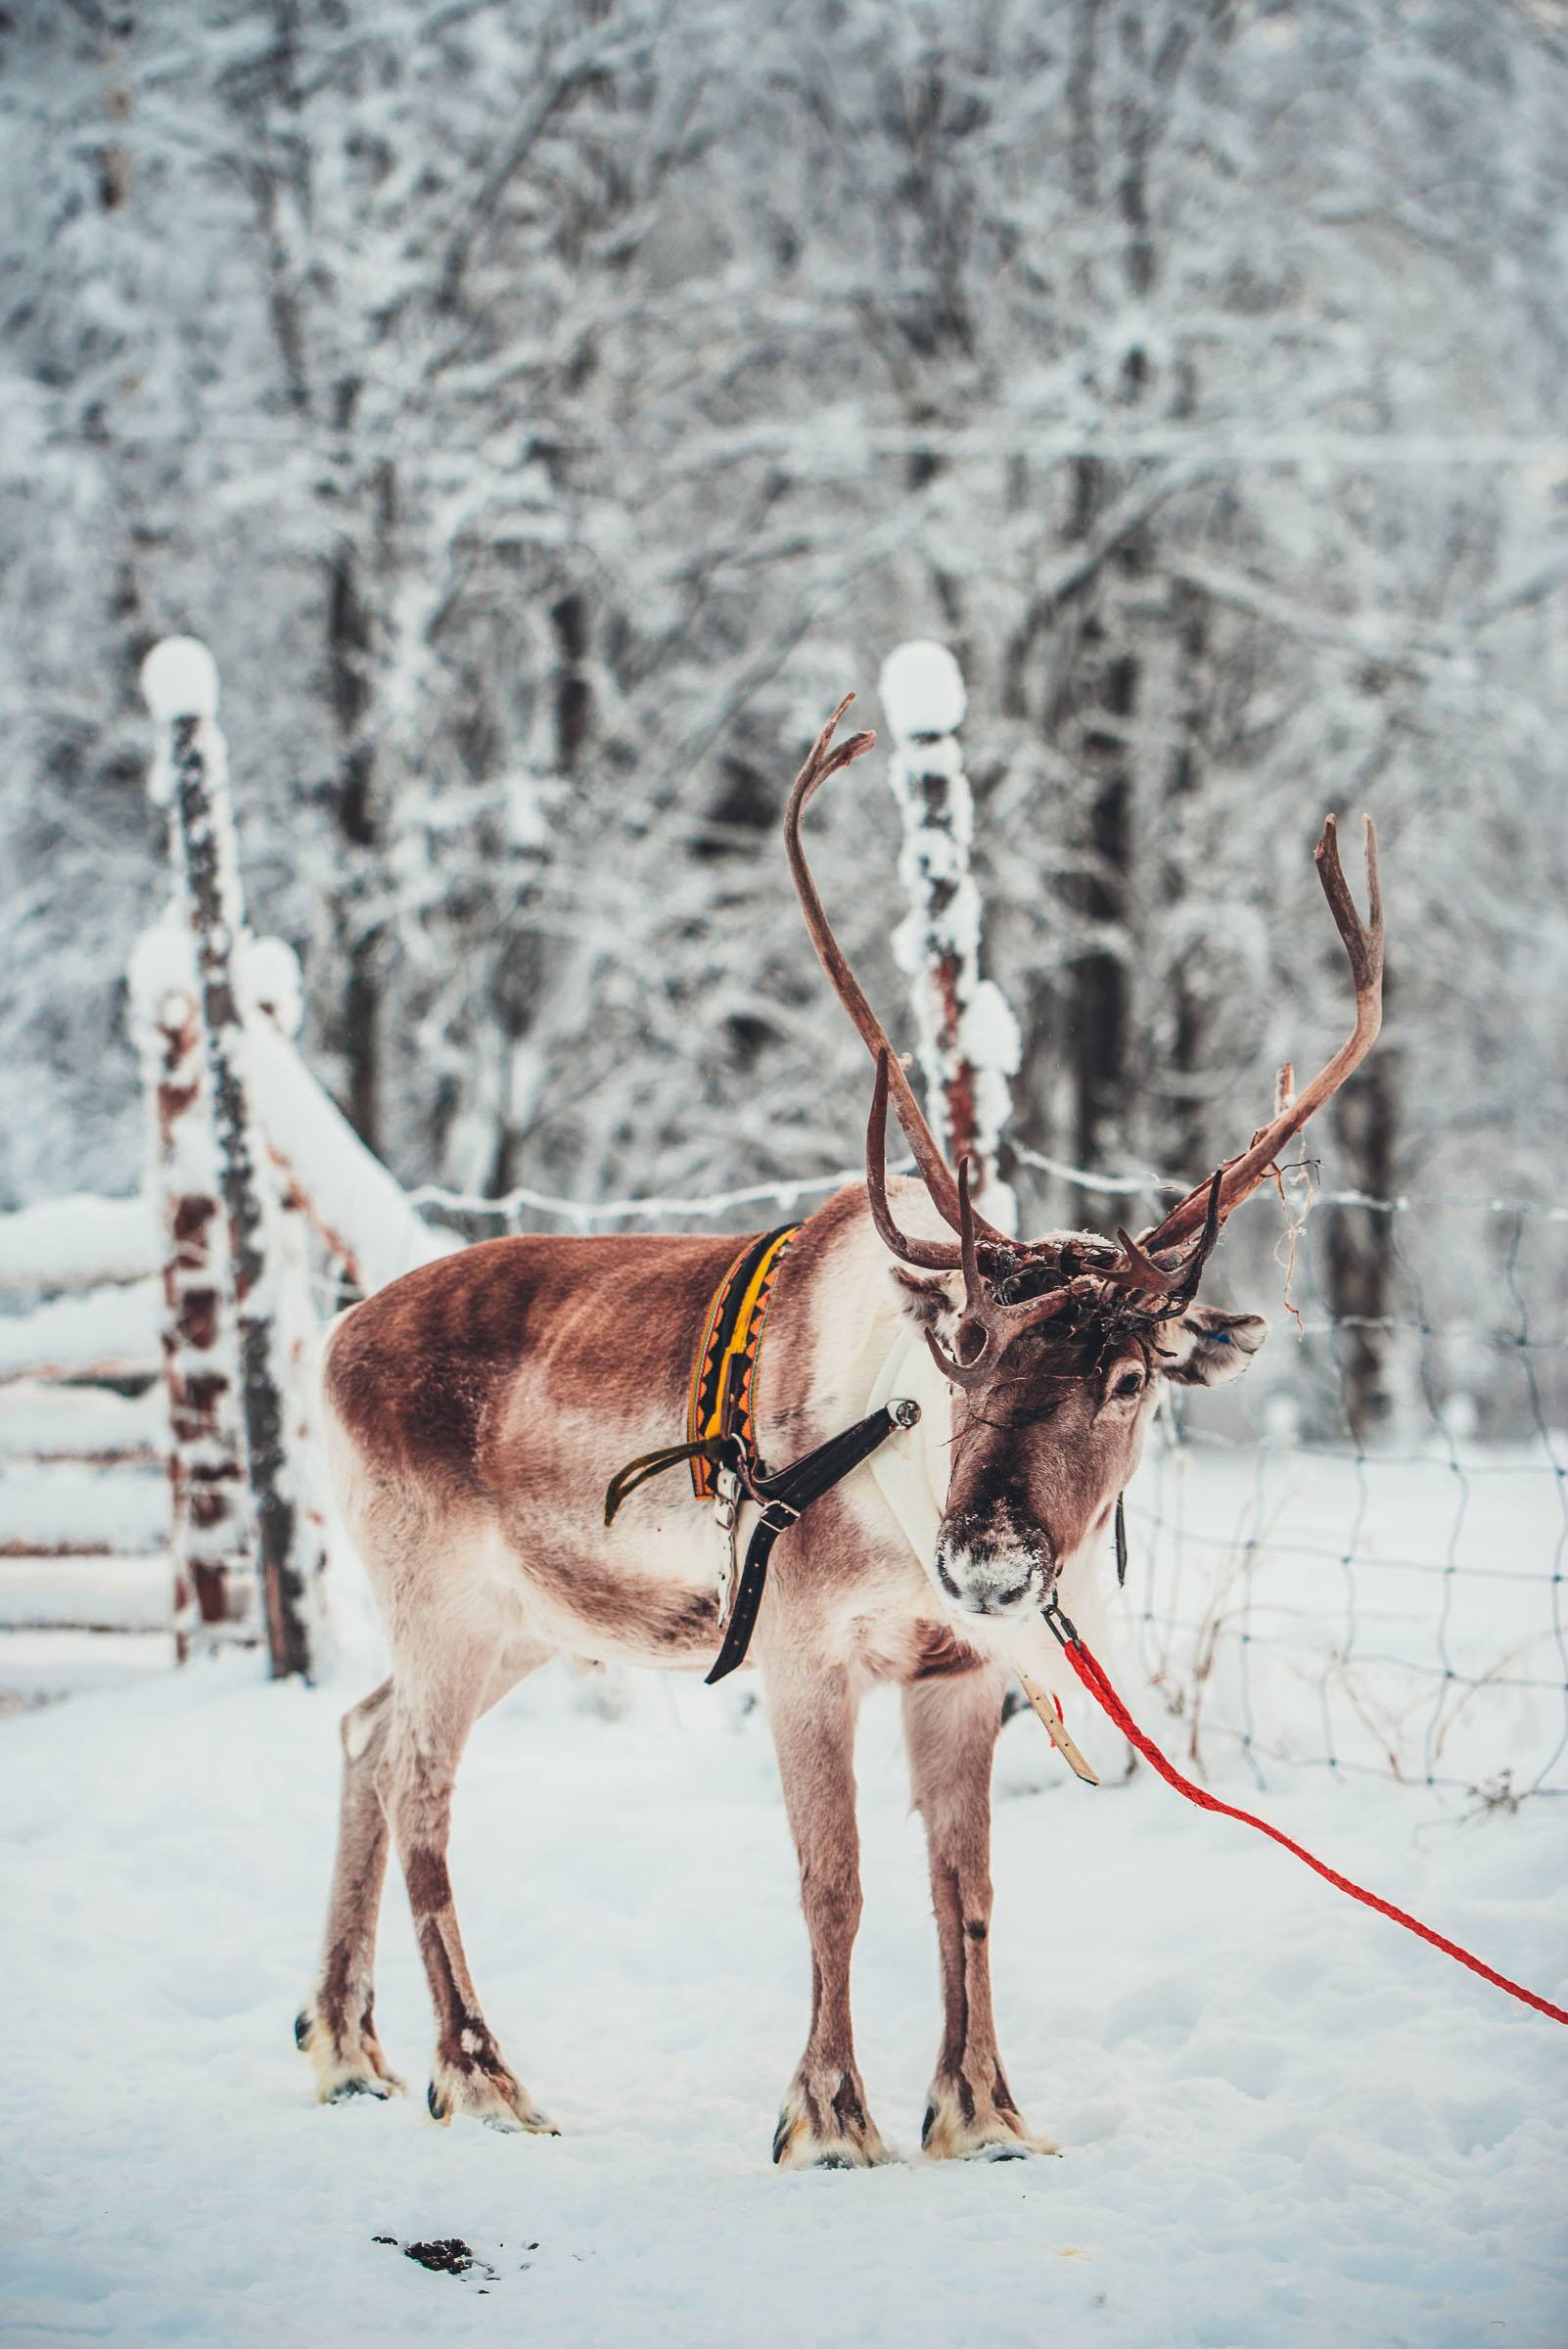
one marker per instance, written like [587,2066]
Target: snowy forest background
[545,412]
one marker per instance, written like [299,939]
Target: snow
[38,1666]
[1284,2122]
[922,690]
[162,963]
[86,1594]
[987,1034]
[271,976]
[179,679]
[109,1333]
[76,1241]
[350,1193]
[52,1505]
[42,1421]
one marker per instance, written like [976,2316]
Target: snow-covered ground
[1283,2120]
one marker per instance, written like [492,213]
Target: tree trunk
[348,666]
[1359,1259]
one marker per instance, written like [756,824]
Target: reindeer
[477,1407]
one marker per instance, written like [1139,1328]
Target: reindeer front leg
[824,2122]
[950,1725]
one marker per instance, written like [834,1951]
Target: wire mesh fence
[1311,1589]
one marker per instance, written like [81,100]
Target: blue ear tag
[1218,1337]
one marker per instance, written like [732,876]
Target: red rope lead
[1099,1687]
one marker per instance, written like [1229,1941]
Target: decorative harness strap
[725,1376]
[721,1440]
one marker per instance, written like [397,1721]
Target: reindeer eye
[1130,1383]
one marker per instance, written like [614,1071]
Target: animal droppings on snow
[450,2256]
[922,690]
[180,679]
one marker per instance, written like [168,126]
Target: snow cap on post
[273,981]
[922,691]
[180,679]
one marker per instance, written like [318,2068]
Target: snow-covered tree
[546,413]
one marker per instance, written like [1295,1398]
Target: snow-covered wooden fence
[157,1468]
[83,1427]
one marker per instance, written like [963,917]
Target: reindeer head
[1057,1348]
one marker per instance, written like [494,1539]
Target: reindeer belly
[642,1593]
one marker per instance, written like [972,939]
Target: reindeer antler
[1236,1178]
[1158,1286]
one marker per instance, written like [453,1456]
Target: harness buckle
[1061,1625]
[904,1412]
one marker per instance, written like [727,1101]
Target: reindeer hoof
[491,2096]
[966,2124]
[355,2068]
[824,2125]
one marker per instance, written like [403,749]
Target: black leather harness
[783,1497]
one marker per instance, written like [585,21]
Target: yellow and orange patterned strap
[731,1348]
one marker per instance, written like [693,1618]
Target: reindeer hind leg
[430,1729]
[337,2029]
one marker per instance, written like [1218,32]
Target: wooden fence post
[968,1038]
[215,1581]
[180,683]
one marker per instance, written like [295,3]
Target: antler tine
[821,762]
[969,1254]
[1036,1309]
[1236,1178]
[931,1255]
[1139,1271]
[980,1311]
[978,1373]
[1191,1272]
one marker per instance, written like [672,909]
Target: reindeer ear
[924,1301]
[1207,1348]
